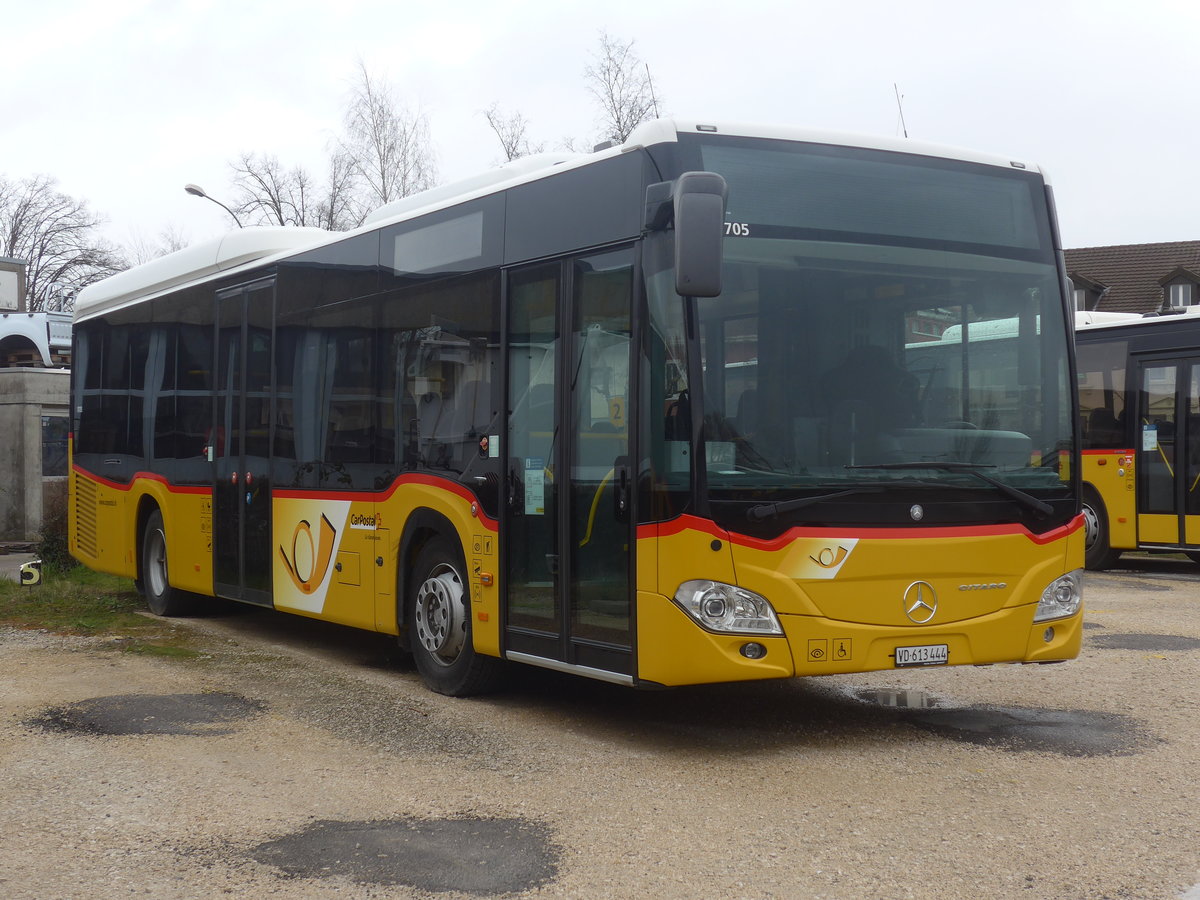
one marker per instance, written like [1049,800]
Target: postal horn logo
[309,561]
[829,558]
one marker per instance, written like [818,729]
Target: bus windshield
[879,311]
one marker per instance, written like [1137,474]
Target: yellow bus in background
[662,414]
[1139,405]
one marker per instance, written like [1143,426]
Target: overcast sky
[125,101]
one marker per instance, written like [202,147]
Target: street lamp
[196,191]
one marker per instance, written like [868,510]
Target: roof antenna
[653,99]
[900,106]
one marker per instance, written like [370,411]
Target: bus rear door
[239,442]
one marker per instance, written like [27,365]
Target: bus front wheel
[439,622]
[1098,554]
[162,599]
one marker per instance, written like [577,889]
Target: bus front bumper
[674,650]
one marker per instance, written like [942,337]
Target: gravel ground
[294,759]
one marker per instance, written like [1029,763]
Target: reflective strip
[558,666]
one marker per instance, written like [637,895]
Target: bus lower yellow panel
[825,647]
[187,518]
[1111,473]
[1158,529]
[100,535]
[104,519]
[845,598]
[674,650]
[313,535]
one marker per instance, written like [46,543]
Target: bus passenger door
[1168,453]
[239,444]
[568,533]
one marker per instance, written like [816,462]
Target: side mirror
[698,209]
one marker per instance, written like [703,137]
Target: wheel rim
[156,559]
[1091,527]
[439,614]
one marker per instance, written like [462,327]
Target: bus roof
[1107,320]
[260,245]
[1094,319]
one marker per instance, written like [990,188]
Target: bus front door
[568,533]
[240,443]
[1168,453]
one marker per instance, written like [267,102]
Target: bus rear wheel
[1098,554]
[162,599]
[439,622]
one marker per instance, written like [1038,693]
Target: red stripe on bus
[434,481]
[1107,452]
[291,493]
[142,476]
[705,526]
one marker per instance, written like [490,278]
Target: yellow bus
[1139,405]
[651,415]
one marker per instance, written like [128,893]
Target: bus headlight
[723,607]
[1061,598]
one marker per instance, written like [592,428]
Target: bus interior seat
[678,419]
[1103,429]
[746,419]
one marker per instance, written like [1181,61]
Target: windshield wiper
[1027,500]
[771,510]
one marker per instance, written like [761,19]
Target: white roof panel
[192,264]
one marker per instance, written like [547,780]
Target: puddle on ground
[126,714]
[1088,625]
[1153,642]
[1068,732]
[470,855]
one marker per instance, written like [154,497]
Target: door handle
[621,492]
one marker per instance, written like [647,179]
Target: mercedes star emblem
[920,602]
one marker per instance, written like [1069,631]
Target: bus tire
[162,599]
[1098,554]
[439,622]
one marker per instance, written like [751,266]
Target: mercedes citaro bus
[659,415]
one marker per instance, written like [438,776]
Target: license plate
[924,655]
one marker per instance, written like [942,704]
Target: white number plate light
[924,655]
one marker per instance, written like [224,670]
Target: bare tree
[56,235]
[621,84]
[388,145]
[141,249]
[384,154]
[340,209]
[511,131]
[267,193]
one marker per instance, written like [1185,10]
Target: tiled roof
[1133,273]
